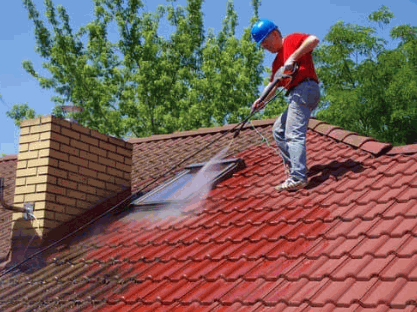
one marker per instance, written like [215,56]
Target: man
[290,128]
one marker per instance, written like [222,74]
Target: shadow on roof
[336,169]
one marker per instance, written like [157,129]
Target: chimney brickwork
[66,169]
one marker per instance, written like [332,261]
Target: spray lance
[279,75]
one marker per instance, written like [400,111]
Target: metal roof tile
[306,290]
[361,269]
[405,293]
[376,148]
[387,245]
[407,149]
[408,209]
[385,292]
[355,290]
[399,267]
[406,193]
[231,270]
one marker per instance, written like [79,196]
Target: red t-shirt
[305,64]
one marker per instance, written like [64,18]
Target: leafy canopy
[144,83]
[367,87]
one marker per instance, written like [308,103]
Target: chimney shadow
[25,245]
[320,173]
[30,252]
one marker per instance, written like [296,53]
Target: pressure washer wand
[279,75]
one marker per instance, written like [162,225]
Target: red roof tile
[340,134]
[347,242]
[407,149]
[325,129]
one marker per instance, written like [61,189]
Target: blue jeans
[290,128]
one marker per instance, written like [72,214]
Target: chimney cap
[71,109]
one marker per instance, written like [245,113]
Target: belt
[292,88]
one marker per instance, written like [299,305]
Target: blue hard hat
[262,29]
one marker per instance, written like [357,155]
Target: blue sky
[17,40]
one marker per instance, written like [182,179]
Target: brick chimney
[65,169]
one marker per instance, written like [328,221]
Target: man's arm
[308,45]
[258,104]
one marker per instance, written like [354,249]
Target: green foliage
[19,112]
[231,74]
[144,83]
[382,16]
[368,88]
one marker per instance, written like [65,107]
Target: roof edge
[8,157]
[200,131]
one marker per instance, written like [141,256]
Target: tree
[19,112]
[231,74]
[368,88]
[144,83]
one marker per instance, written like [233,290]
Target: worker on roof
[303,93]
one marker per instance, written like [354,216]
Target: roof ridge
[403,149]
[367,144]
[200,131]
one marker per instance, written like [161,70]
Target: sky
[17,40]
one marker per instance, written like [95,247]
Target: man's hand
[289,64]
[257,105]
